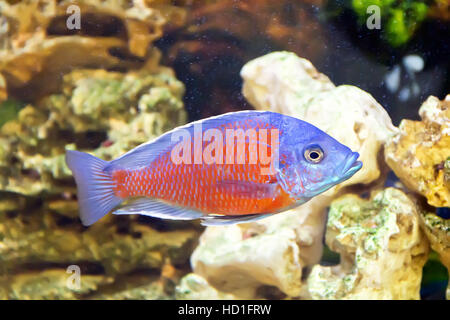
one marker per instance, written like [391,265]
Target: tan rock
[419,153]
[100,89]
[239,259]
[382,249]
[37,47]
[42,238]
[51,284]
[235,258]
[437,230]
[123,109]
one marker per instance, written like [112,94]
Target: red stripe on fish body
[198,188]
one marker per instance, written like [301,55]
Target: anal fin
[158,209]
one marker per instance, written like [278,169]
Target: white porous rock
[271,251]
[239,257]
[274,251]
[194,287]
[437,230]
[419,154]
[282,82]
[382,249]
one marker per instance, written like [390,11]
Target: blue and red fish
[236,167]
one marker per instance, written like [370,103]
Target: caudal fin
[95,186]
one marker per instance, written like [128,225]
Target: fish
[233,168]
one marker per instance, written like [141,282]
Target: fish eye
[313,154]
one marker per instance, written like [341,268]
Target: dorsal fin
[158,209]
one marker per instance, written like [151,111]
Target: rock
[274,251]
[194,287]
[56,284]
[381,245]
[42,238]
[437,230]
[237,257]
[105,112]
[3,89]
[419,153]
[284,83]
[269,252]
[440,10]
[37,47]
[285,87]
[51,284]
[208,53]
[394,16]
[134,287]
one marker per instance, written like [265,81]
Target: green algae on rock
[39,214]
[437,230]
[55,284]
[42,238]
[274,251]
[49,284]
[195,287]
[120,112]
[141,286]
[419,152]
[401,18]
[242,259]
[382,249]
[285,83]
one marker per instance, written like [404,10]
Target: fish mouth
[351,165]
